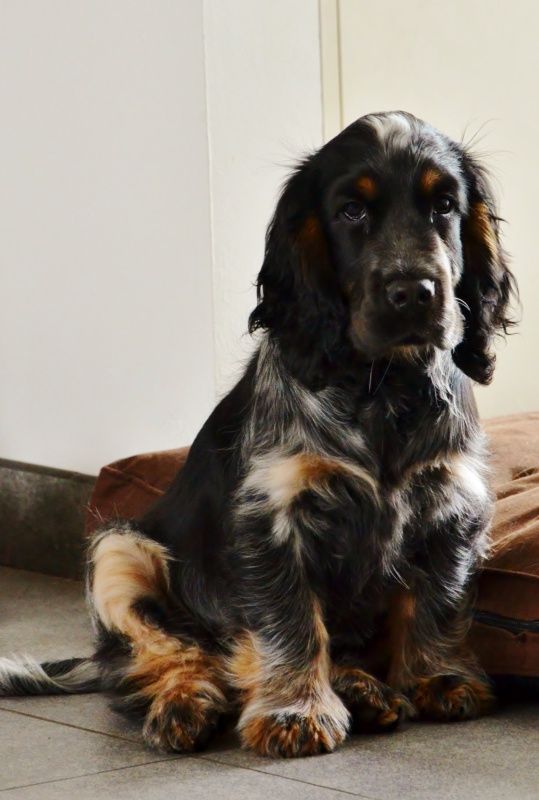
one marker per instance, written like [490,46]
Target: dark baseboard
[42,518]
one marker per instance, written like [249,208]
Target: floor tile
[46,617]
[493,758]
[181,779]
[87,711]
[33,750]
[43,616]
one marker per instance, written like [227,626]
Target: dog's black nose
[405,295]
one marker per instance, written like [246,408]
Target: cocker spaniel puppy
[309,568]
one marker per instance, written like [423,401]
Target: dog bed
[505,631]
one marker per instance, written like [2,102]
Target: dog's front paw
[180,726]
[305,727]
[292,735]
[452,697]
[375,706]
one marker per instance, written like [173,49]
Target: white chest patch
[276,479]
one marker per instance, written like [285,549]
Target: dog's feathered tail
[26,676]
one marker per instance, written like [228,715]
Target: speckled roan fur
[321,538]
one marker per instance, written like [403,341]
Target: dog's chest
[349,488]
[343,505]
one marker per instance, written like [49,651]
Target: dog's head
[386,239]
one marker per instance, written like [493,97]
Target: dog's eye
[353,211]
[443,204]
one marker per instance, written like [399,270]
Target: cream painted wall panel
[264,112]
[106,340]
[463,65]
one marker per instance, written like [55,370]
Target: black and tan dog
[310,566]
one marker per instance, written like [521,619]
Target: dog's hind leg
[375,707]
[429,660]
[170,679]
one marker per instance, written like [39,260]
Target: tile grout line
[70,725]
[178,758]
[287,778]
[172,757]
[91,774]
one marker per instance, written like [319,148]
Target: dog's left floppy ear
[487,284]
[299,300]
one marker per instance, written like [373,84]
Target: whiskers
[464,304]
[381,379]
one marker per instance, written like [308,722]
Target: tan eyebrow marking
[310,230]
[313,251]
[429,178]
[367,187]
[481,227]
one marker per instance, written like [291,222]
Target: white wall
[264,112]
[462,65]
[106,327]
[118,318]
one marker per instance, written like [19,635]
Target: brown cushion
[505,633]
[126,488]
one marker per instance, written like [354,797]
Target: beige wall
[105,251]
[264,111]
[125,280]
[461,65]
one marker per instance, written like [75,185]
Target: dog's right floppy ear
[487,284]
[299,300]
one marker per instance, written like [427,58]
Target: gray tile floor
[74,747]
